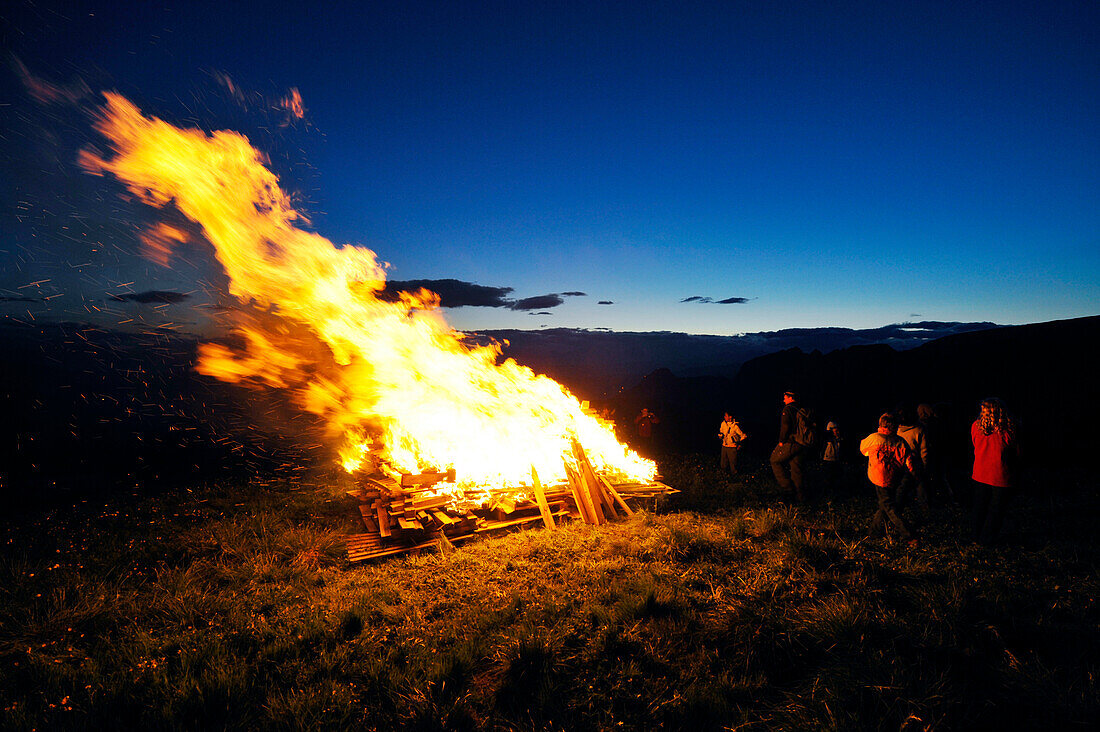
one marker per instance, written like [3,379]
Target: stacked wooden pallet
[415,512]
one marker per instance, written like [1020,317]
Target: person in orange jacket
[889,460]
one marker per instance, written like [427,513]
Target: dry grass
[231,606]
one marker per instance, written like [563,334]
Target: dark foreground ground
[229,605]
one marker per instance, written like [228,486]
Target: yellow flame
[394,379]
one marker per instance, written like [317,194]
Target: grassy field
[231,606]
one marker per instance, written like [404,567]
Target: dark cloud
[727,301]
[538,302]
[457,294]
[152,296]
[606,302]
[452,293]
[542,313]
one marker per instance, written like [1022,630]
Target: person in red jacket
[996,453]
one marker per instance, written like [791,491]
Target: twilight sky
[714,167]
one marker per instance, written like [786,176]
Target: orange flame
[393,378]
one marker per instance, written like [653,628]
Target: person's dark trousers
[787,463]
[728,459]
[989,511]
[834,475]
[914,488]
[887,512]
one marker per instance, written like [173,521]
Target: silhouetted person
[831,458]
[732,435]
[644,422]
[888,460]
[916,483]
[788,458]
[935,464]
[996,454]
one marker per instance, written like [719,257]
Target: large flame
[399,385]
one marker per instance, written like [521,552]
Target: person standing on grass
[644,422]
[996,454]
[732,435]
[788,457]
[888,460]
[915,483]
[830,457]
[939,487]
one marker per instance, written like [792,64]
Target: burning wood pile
[394,384]
[413,512]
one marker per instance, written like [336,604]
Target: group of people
[904,462]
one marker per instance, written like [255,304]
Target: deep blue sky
[833,163]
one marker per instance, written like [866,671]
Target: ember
[401,391]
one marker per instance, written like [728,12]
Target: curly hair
[994,417]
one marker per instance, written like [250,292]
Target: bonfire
[445,437]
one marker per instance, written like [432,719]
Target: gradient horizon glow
[844,164]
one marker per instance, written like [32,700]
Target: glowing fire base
[413,513]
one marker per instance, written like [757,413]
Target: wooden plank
[443,517]
[409,524]
[615,494]
[383,519]
[595,502]
[540,498]
[580,496]
[427,478]
[596,485]
[368,518]
[505,503]
[421,504]
[494,525]
[361,540]
[386,552]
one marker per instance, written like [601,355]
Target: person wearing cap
[732,435]
[788,456]
[888,460]
[830,456]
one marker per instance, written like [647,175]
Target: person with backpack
[796,438]
[831,458]
[915,485]
[889,460]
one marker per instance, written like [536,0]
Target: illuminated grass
[231,607]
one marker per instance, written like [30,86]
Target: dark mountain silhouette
[1042,371]
[597,365]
